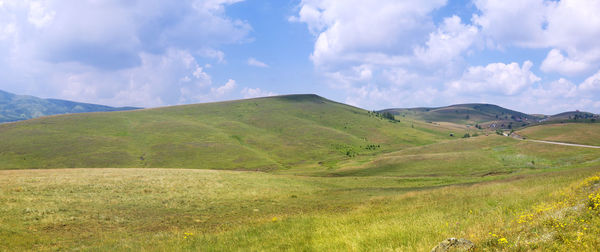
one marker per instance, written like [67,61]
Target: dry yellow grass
[167,209]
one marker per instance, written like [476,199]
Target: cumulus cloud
[538,96]
[591,84]
[561,88]
[222,90]
[143,53]
[512,21]
[570,26]
[562,95]
[403,58]
[556,62]
[255,92]
[396,58]
[346,33]
[500,78]
[450,40]
[174,77]
[256,63]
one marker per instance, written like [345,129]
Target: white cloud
[396,58]
[256,63]
[213,54]
[39,15]
[222,90]
[348,33]
[499,78]
[142,53]
[171,78]
[508,22]
[569,26]
[391,53]
[255,92]
[561,88]
[562,95]
[450,40]
[591,84]
[556,62]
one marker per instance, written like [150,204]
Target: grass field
[473,157]
[297,173]
[167,209]
[579,133]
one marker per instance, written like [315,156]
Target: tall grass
[167,209]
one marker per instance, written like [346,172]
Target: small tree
[389,116]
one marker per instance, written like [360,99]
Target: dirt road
[567,144]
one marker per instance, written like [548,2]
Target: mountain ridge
[15,107]
[482,114]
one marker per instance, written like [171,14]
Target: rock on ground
[453,244]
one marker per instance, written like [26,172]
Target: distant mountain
[22,107]
[486,115]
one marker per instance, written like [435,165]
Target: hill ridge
[251,134]
[23,107]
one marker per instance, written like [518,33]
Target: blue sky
[531,55]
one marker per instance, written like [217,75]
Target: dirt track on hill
[567,144]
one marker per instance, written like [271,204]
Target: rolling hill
[571,116]
[577,133]
[488,116]
[22,107]
[253,134]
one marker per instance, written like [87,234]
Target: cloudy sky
[531,55]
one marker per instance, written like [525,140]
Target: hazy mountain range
[22,107]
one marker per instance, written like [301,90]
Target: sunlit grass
[579,133]
[166,209]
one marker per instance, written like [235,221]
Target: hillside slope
[571,116]
[473,113]
[22,107]
[254,134]
[577,133]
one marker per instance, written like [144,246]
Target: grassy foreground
[167,209]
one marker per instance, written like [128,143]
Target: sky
[534,56]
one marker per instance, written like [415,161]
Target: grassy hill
[578,133]
[472,158]
[272,133]
[571,116]
[22,107]
[474,113]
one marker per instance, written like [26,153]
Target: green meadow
[294,173]
[578,133]
[265,134]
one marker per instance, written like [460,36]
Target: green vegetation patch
[578,133]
